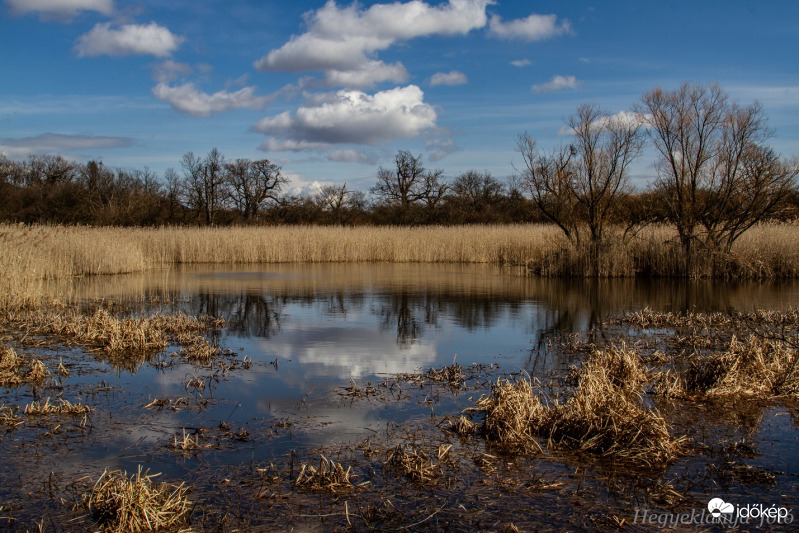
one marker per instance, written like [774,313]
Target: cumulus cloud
[188,99]
[350,116]
[128,39]
[55,143]
[557,83]
[344,39]
[353,156]
[366,75]
[521,63]
[453,77]
[62,9]
[532,28]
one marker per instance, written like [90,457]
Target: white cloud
[366,75]
[169,70]
[532,28]
[344,39]
[187,99]
[65,9]
[350,116]
[521,63]
[440,145]
[353,156]
[557,83]
[128,39]
[453,77]
[55,143]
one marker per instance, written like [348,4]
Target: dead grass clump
[513,413]
[415,464]
[463,427]
[16,370]
[757,367]
[188,443]
[62,407]
[8,417]
[330,476]
[605,420]
[605,415]
[199,350]
[136,504]
[451,375]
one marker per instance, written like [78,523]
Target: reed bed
[137,504]
[33,257]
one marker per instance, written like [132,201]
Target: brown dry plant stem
[604,416]
[136,504]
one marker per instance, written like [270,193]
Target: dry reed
[755,367]
[605,415]
[33,257]
[330,476]
[8,417]
[415,464]
[513,411]
[62,407]
[136,504]
[16,370]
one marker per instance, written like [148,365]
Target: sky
[332,90]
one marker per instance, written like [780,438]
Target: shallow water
[311,329]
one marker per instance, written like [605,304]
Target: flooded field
[334,394]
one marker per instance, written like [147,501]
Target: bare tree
[193,183]
[252,183]
[578,186]
[213,184]
[715,174]
[403,185]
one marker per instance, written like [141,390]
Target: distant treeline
[716,177]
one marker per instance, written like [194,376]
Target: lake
[298,335]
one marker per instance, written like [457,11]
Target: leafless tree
[716,175]
[252,183]
[213,184]
[403,185]
[578,186]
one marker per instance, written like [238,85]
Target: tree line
[716,177]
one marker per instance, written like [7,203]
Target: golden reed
[32,256]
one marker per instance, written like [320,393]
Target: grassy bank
[31,256]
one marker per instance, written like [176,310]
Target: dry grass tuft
[451,375]
[63,407]
[330,476]
[8,417]
[188,443]
[136,504]
[415,464]
[16,370]
[513,412]
[199,350]
[757,367]
[463,427]
[605,415]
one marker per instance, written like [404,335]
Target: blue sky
[331,90]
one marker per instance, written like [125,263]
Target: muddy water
[308,331]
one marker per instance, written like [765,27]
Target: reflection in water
[325,324]
[343,321]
